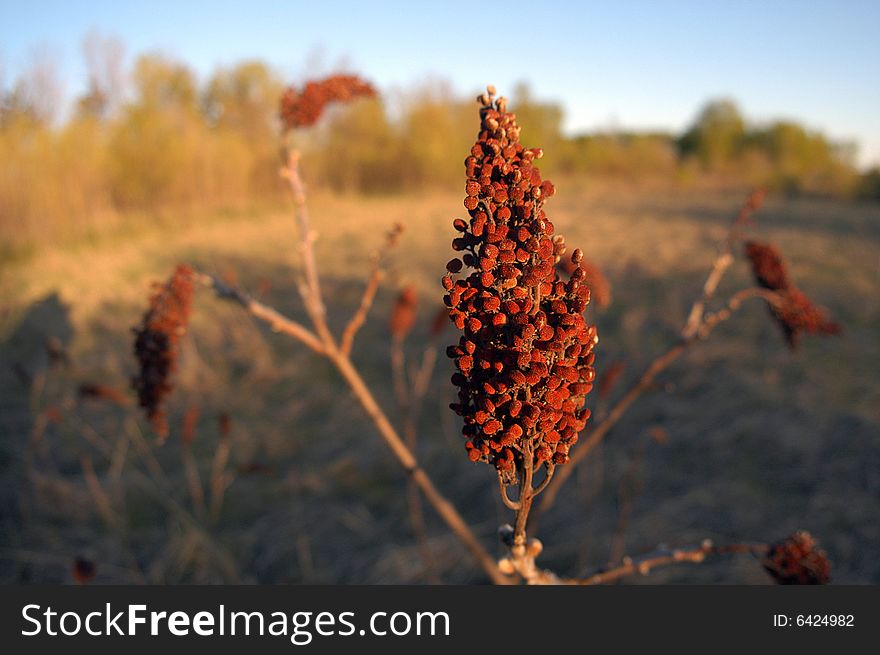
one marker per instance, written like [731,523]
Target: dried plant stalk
[663,557]
[322,341]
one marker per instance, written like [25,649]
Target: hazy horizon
[636,66]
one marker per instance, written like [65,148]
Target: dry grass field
[759,442]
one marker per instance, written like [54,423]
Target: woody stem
[526,494]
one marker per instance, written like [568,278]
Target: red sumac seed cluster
[155,344]
[796,313]
[798,560]
[525,354]
[303,107]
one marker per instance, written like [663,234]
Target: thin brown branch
[526,495]
[422,378]
[322,342]
[664,557]
[118,458]
[311,289]
[403,454]
[325,344]
[711,320]
[695,318]
[515,505]
[275,320]
[372,286]
[370,289]
[551,469]
[722,263]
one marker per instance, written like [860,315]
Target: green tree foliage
[357,151]
[435,132]
[244,98]
[154,143]
[803,161]
[178,146]
[782,155]
[240,104]
[717,135]
[626,155]
[162,84]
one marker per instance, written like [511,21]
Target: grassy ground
[761,441]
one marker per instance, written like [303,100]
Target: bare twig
[526,495]
[712,319]
[421,380]
[443,507]
[515,505]
[118,459]
[722,263]
[551,469]
[276,321]
[522,561]
[323,342]
[375,278]
[663,557]
[372,286]
[311,289]
[695,318]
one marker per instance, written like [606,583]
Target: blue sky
[616,63]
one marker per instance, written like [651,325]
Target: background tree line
[157,141]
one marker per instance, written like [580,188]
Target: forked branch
[274,319]
[322,342]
